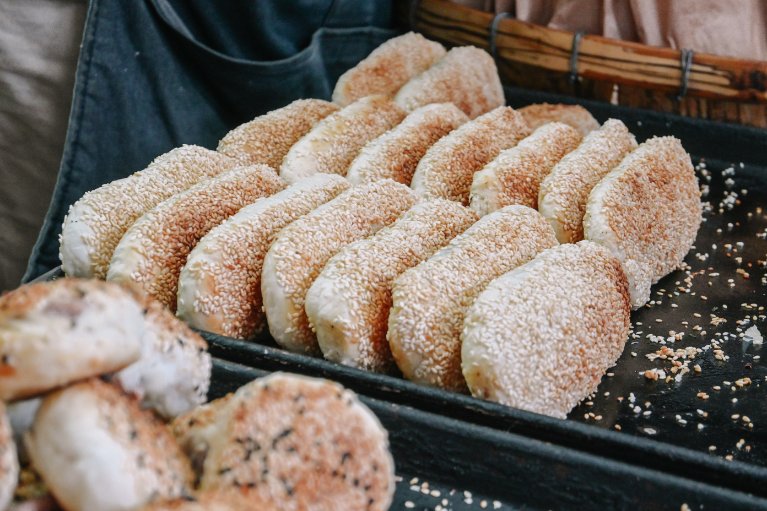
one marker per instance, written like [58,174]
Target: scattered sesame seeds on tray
[692,371]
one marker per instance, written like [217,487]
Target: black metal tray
[449,465]
[667,438]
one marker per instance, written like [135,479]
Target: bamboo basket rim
[599,58]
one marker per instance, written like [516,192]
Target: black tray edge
[612,445]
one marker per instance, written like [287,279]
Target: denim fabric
[155,74]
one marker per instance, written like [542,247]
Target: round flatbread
[541,337]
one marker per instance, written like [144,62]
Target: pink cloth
[733,28]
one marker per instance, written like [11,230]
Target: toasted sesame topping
[155,248]
[96,223]
[268,138]
[387,68]
[304,442]
[331,146]
[565,191]
[303,248]
[576,116]
[465,76]
[515,175]
[542,336]
[396,153]
[220,285]
[348,305]
[647,212]
[430,300]
[447,168]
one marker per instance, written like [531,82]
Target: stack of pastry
[93,371]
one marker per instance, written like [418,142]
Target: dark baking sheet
[664,433]
[444,464]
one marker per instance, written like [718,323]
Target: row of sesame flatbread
[323,259]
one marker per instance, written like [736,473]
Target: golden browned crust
[220,285]
[387,68]
[573,115]
[541,337]
[268,138]
[95,224]
[396,153]
[647,212]
[447,168]
[303,248]
[564,192]
[514,177]
[155,248]
[430,300]
[306,443]
[465,76]
[348,304]
[336,140]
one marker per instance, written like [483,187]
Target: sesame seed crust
[515,175]
[465,76]
[268,138]
[447,168]
[155,248]
[348,304]
[303,442]
[564,192]
[97,449]
[173,374]
[226,499]
[396,153]
[220,285]
[541,337]
[95,224]
[576,116]
[388,68]
[429,301]
[9,463]
[301,250]
[54,333]
[331,146]
[647,211]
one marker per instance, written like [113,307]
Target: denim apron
[155,74]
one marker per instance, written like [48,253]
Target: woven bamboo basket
[632,74]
